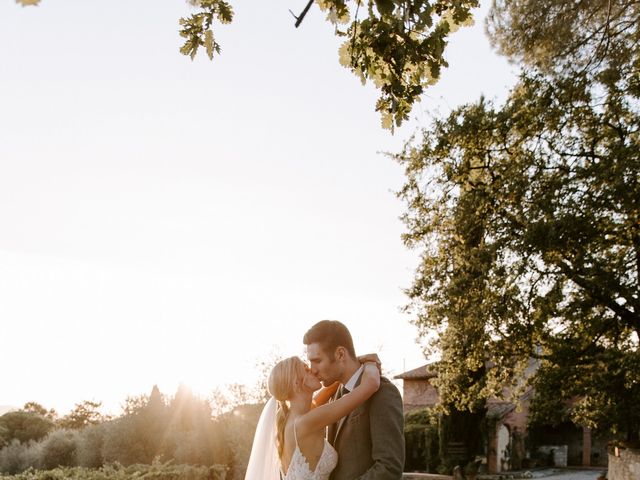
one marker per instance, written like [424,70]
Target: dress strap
[295,433]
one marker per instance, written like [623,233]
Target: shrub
[421,440]
[123,443]
[59,449]
[119,472]
[89,447]
[16,457]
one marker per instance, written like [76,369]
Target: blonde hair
[281,386]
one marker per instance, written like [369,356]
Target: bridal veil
[264,463]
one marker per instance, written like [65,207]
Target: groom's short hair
[330,334]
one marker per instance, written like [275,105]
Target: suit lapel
[344,419]
[333,428]
[340,423]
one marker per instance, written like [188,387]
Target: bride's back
[311,445]
[308,456]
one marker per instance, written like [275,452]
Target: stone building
[507,446]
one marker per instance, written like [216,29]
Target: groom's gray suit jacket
[370,440]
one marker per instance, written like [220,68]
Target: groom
[370,440]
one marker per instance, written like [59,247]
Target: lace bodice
[299,466]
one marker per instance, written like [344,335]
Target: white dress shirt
[351,384]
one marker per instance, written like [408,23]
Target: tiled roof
[498,410]
[424,372]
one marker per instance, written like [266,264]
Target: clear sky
[167,221]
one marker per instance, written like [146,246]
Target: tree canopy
[34,407]
[84,414]
[23,426]
[397,44]
[566,37]
[528,219]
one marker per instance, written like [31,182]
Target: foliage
[84,414]
[17,457]
[134,404]
[528,219]
[422,440]
[264,367]
[430,434]
[152,428]
[566,37]
[197,28]
[421,418]
[34,407]
[58,449]
[397,44]
[230,397]
[118,472]
[124,442]
[24,426]
[89,447]
[238,427]
[226,398]
[4,435]
[179,429]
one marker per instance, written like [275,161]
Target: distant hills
[7,408]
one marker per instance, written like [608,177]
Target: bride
[290,439]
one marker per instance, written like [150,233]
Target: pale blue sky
[163,220]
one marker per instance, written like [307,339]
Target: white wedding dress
[264,462]
[299,468]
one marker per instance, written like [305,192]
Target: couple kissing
[357,435]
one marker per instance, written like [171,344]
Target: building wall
[563,434]
[516,419]
[558,453]
[624,464]
[419,394]
[599,455]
